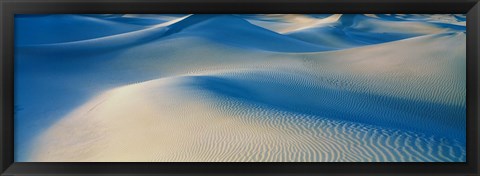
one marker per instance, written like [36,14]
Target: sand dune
[101,44]
[235,88]
[38,29]
[225,29]
[445,19]
[141,20]
[337,32]
[287,23]
[353,30]
[235,31]
[337,99]
[179,124]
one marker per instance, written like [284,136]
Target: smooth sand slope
[38,29]
[219,88]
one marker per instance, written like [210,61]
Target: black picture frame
[8,8]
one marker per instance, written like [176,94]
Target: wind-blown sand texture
[240,88]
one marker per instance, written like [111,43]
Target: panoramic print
[240,88]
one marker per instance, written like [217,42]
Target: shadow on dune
[280,92]
[225,29]
[350,31]
[59,28]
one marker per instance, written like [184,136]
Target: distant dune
[246,88]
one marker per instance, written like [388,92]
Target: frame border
[10,7]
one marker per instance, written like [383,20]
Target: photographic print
[240,88]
